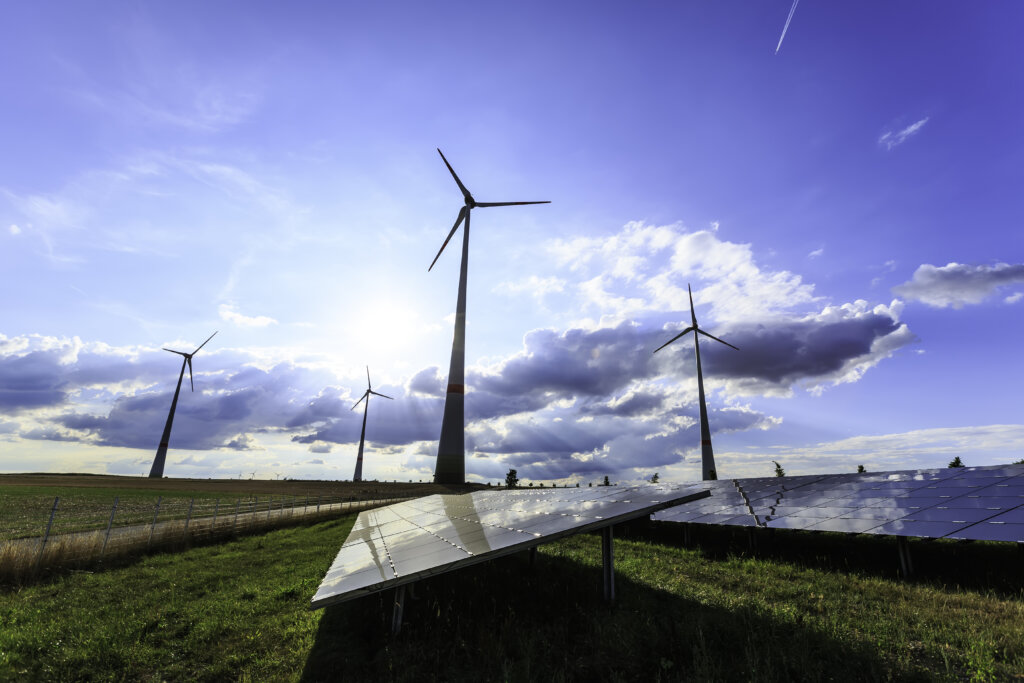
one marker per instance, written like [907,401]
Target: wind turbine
[706,453]
[451,447]
[157,471]
[358,476]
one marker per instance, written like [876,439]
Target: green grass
[238,611]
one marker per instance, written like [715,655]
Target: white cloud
[976,445]
[1014,298]
[816,253]
[890,139]
[957,285]
[645,269]
[228,313]
[14,229]
[538,287]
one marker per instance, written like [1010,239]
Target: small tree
[654,479]
[577,484]
[1018,462]
[779,472]
[860,469]
[606,482]
[956,462]
[511,480]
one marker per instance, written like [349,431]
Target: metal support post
[399,607]
[46,536]
[318,503]
[608,563]
[687,535]
[533,556]
[152,528]
[234,524]
[216,509]
[906,564]
[110,523]
[188,518]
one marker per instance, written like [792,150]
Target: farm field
[811,608]
[85,500]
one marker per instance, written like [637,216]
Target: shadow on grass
[985,567]
[506,620]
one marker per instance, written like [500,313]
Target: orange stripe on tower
[456,388]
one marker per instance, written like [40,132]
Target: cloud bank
[958,285]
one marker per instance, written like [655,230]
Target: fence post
[216,509]
[318,502]
[255,502]
[49,525]
[152,528]
[234,525]
[109,524]
[269,506]
[188,519]
[305,506]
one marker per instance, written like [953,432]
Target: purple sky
[848,212]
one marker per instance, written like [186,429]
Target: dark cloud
[34,380]
[957,284]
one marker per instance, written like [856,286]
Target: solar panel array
[975,503]
[401,543]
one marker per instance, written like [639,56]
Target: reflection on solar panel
[398,544]
[976,503]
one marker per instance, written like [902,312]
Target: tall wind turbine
[706,453]
[157,470]
[451,447]
[358,476]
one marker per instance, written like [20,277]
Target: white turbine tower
[157,470]
[358,476]
[451,447]
[708,470]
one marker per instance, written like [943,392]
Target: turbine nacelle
[469,205]
[188,358]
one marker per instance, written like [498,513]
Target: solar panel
[407,541]
[976,503]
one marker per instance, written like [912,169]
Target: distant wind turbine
[707,454]
[157,470]
[358,476]
[451,447]
[786,27]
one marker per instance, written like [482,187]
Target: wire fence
[83,538]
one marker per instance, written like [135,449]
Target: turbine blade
[716,338]
[180,353]
[368,385]
[693,315]
[485,204]
[381,395]
[688,329]
[465,192]
[188,359]
[204,343]
[360,400]
[458,222]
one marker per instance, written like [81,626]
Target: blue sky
[847,210]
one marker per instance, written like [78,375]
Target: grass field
[86,500]
[811,608]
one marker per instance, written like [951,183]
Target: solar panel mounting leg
[396,614]
[608,564]
[906,564]
[533,556]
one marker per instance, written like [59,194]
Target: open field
[50,522]
[814,608]
[86,500]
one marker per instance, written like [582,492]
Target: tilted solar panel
[400,543]
[977,503]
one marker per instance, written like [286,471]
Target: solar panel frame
[977,503]
[533,514]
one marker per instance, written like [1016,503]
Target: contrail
[786,27]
